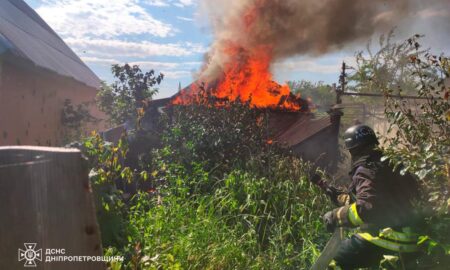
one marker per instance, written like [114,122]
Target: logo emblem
[30,254]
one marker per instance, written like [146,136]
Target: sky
[169,36]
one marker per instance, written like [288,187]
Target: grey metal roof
[302,129]
[24,34]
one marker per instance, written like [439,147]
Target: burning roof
[246,77]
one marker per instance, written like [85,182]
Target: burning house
[295,127]
[251,35]
[290,121]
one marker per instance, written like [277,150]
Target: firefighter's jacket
[379,202]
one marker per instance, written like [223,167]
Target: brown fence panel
[46,201]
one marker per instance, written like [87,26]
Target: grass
[248,222]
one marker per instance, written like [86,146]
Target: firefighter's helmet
[359,135]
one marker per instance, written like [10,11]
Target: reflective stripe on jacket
[404,241]
[381,198]
[393,244]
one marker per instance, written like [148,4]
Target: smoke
[290,27]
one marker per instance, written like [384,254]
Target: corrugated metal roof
[24,34]
[300,129]
[288,128]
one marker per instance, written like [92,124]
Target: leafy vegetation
[127,98]
[419,127]
[106,161]
[320,94]
[74,118]
[223,197]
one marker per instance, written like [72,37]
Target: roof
[161,102]
[24,34]
[289,128]
[295,129]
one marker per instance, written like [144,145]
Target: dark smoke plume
[291,27]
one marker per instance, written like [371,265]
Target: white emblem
[30,254]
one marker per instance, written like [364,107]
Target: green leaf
[423,173]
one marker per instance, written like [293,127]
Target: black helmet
[359,135]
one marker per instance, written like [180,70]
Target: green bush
[125,99]
[219,138]
[106,162]
[248,222]
[420,127]
[225,197]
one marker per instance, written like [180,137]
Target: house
[38,73]
[312,137]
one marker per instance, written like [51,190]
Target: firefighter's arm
[337,195]
[358,212]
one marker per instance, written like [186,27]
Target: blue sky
[169,36]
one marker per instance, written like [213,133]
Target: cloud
[102,18]
[185,19]
[431,13]
[307,66]
[97,60]
[171,70]
[143,64]
[97,29]
[157,3]
[106,32]
[177,74]
[107,48]
[165,3]
[166,65]
[183,3]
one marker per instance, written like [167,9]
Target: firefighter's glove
[337,218]
[330,221]
[315,178]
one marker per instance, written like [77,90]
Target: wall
[31,102]
[320,149]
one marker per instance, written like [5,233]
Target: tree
[421,124]
[127,98]
[319,93]
[74,119]
[420,141]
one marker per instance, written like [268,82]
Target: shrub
[106,161]
[126,99]
[225,198]
[74,119]
[248,222]
[421,141]
[216,136]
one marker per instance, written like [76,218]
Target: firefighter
[378,202]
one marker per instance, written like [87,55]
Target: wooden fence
[46,204]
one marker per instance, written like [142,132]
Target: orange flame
[246,77]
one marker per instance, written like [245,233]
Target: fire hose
[332,246]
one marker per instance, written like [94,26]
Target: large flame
[246,77]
